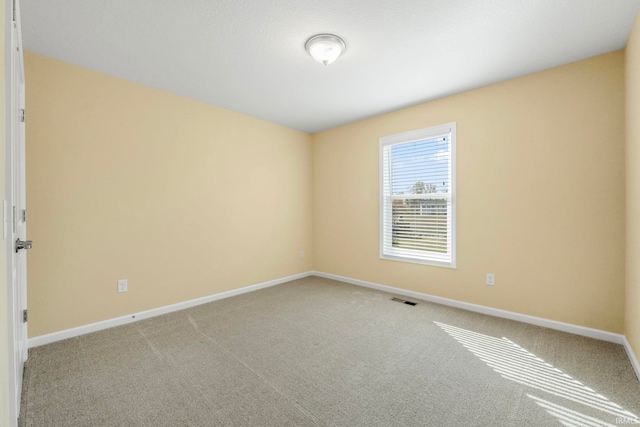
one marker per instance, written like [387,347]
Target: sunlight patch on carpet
[517,364]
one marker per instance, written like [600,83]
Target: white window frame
[411,256]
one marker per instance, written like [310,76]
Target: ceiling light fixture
[325,48]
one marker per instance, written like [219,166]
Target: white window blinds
[418,196]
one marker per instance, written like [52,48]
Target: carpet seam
[304,411]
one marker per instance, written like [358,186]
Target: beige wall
[121,178]
[182,199]
[632,154]
[540,195]
[5,344]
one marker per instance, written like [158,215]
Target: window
[418,196]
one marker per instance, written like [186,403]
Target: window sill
[419,261]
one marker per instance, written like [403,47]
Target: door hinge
[22,115]
[24,215]
[24,316]
[13,11]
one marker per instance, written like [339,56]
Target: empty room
[335,213]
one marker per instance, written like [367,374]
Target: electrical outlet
[123,285]
[491,280]
[301,254]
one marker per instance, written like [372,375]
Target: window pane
[420,224]
[421,167]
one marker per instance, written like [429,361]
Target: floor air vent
[404,301]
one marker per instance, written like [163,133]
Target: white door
[19,202]
[15,199]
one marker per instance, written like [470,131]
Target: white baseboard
[98,326]
[538,321]
[632,357]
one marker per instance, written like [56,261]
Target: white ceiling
[249,56]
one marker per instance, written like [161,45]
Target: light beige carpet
[316,352]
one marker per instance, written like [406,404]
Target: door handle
[23,244]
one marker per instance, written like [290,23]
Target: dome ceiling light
[325,48]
